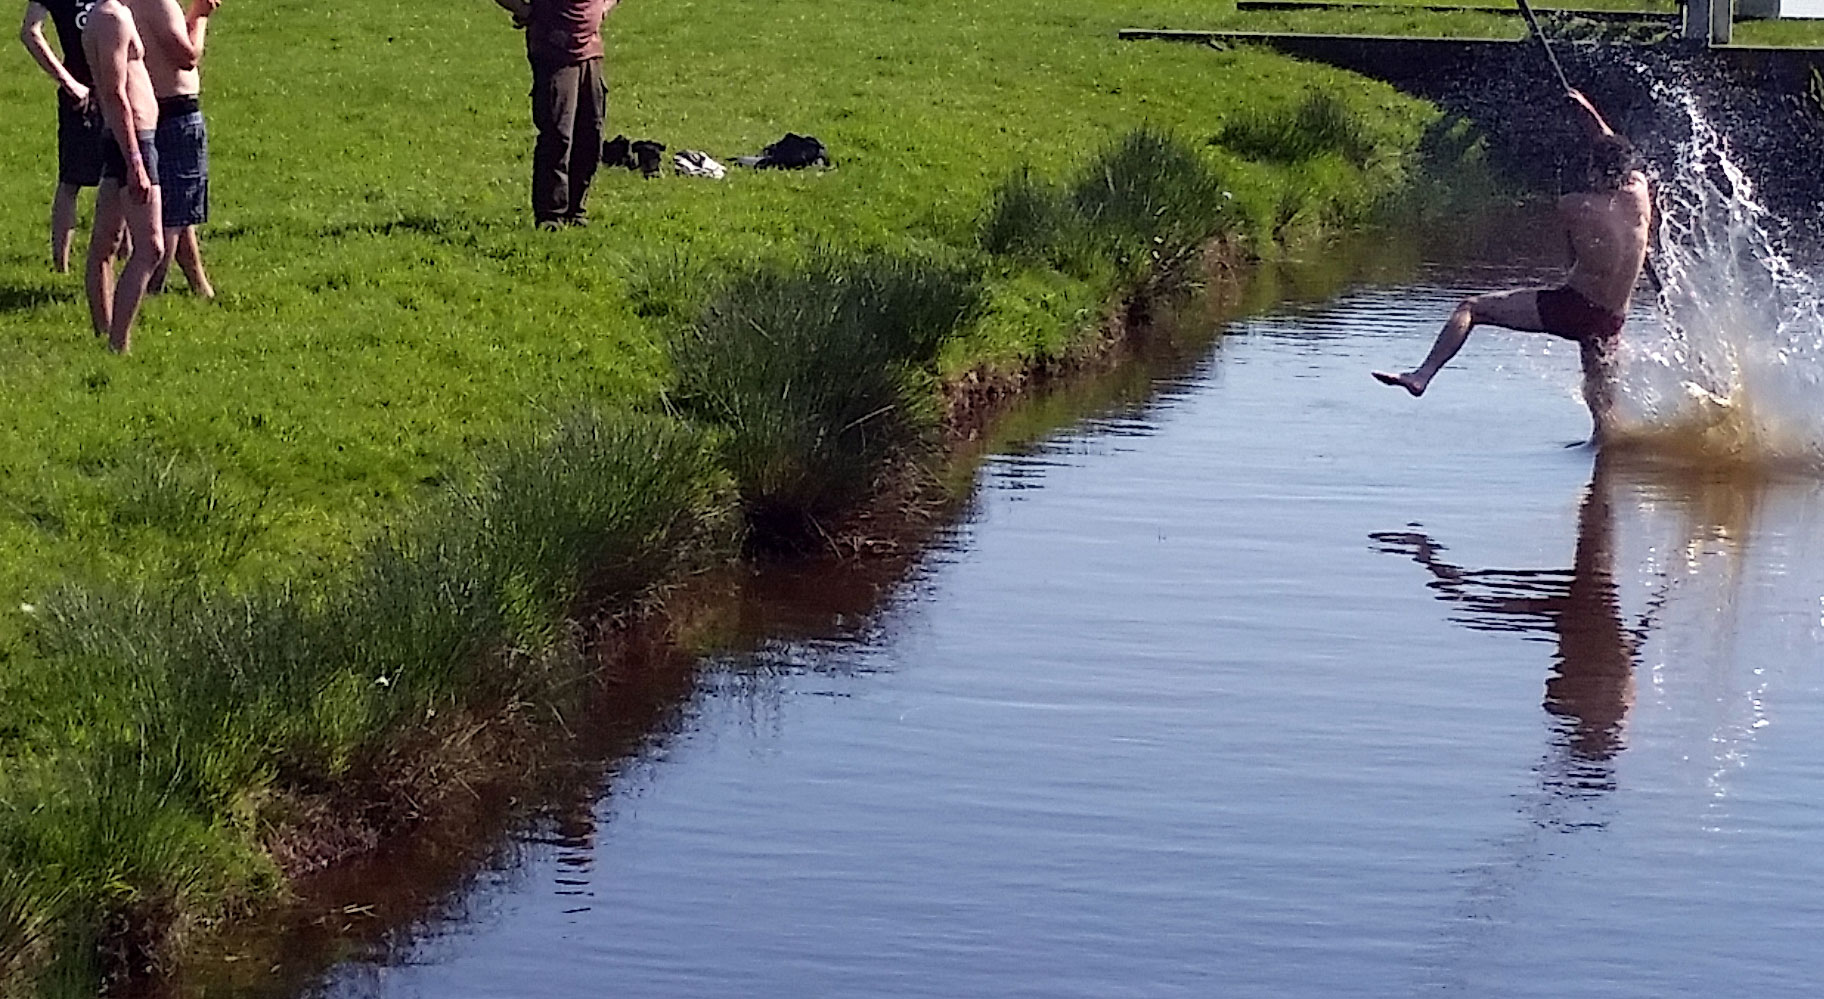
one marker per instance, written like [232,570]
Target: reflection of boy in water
[1593,685]
[1607,223]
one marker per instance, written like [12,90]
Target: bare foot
[1406,381]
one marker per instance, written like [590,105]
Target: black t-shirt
[70,17]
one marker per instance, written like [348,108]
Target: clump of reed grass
[1028,217]
[200,699]
[1321,123]
[668,286]
[1144,201]
[28,918]
[816,373]
[1150,196]
[180,511]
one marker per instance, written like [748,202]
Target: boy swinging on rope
[1608,223]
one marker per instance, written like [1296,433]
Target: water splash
[1733,371]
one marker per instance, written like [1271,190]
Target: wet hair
[1611,159]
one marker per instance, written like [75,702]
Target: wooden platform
[1669,18]
[1400,59]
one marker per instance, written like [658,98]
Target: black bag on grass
[794,152]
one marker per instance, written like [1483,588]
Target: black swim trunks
[79,134]
[183,161]
[1567,313]
[114,159]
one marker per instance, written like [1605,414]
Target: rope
[1532,23]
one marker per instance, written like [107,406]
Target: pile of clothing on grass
[647,156]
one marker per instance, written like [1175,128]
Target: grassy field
[1788,33]
[384,306]
[365,485]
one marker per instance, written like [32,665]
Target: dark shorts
[183,162]
[79,134]
[1566,313]
[114,159]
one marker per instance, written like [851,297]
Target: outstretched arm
[31,33]
[1590,118]
[520,9]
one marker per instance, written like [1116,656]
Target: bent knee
[105,249]
[153,246]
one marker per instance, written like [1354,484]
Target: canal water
[1259,679]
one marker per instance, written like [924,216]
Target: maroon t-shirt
[565,32]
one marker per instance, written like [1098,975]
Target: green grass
[1795,34]
[1134,209]
[386,309]
[369,483]
[817,373]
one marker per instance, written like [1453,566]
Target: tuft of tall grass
[1148,197]
[1029,217]
[198,701]
[816,373]
[1321,123]
[1144,200]
[667,287]
[28,917]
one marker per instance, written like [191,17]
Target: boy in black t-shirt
[79,126]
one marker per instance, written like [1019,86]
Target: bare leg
[1515,310]
[155,285]
[1599,387]
[148,249]
[63,226]
[189,254]
[104,243]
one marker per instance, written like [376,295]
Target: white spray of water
[1733,371]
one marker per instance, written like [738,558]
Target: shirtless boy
[79,128]
[1608,223]
[129,197]
[174,49]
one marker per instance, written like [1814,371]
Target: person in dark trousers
[79,127]
[569,102]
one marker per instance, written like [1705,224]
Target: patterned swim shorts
[183,161]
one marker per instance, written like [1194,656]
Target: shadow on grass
[448,229]
[26,297]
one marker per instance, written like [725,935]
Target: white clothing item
[695,163]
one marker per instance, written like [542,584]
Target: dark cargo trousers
[569,109]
